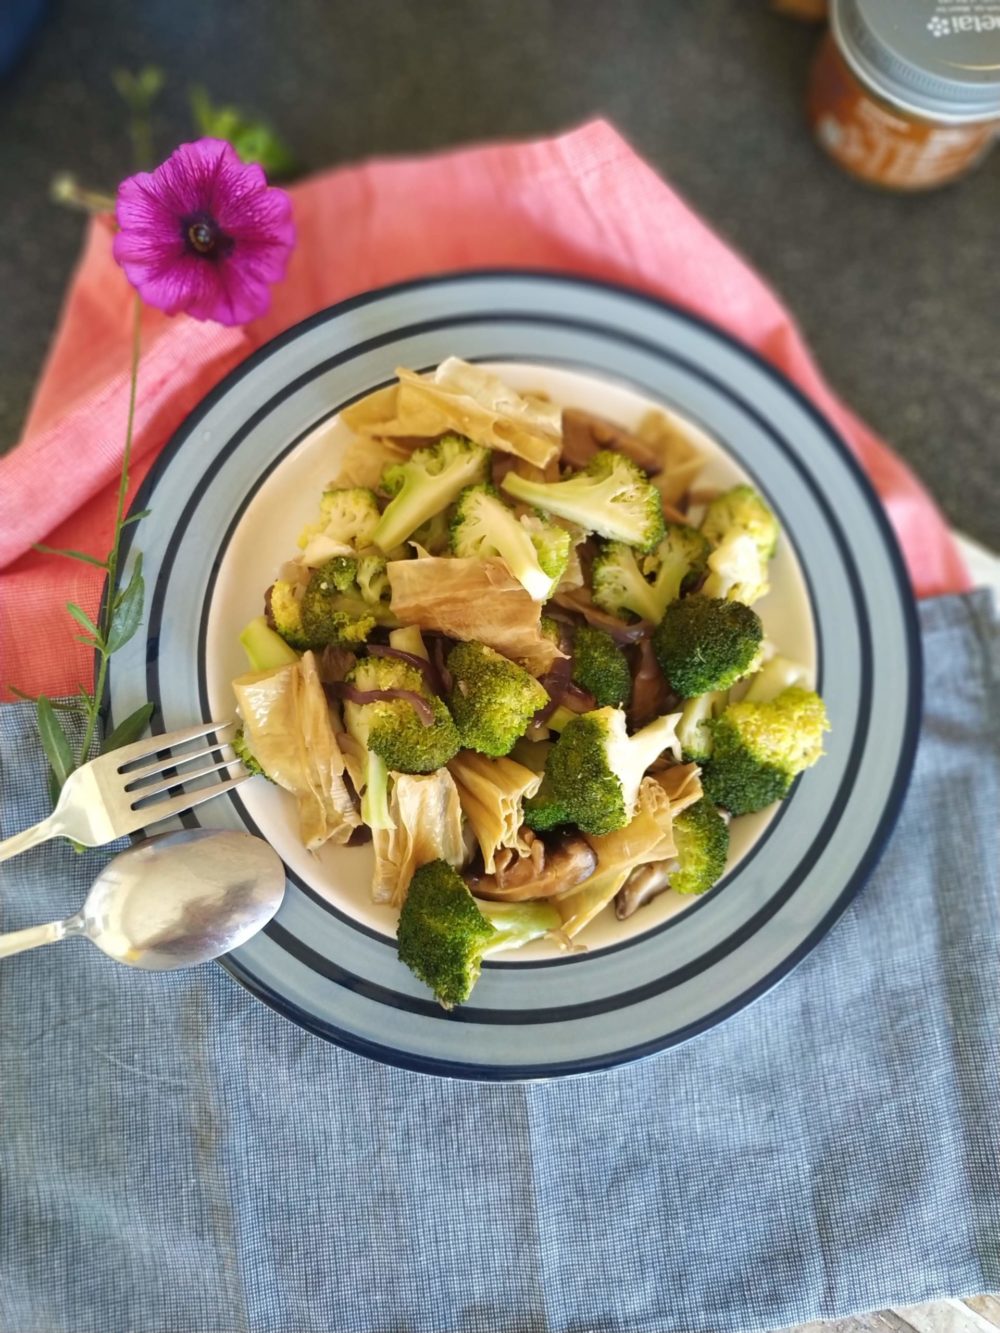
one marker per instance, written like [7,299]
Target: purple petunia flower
[204,234]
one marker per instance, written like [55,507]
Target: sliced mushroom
[651,695]
[584,434]
[644,884]
[542,873]
[335,664]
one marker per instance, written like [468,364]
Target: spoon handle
[16,941]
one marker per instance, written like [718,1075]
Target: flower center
[203,236]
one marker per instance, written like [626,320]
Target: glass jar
[906,93]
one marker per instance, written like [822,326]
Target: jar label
[882,143]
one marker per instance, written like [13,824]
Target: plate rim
[905,600]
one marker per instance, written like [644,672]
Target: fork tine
[143,793]
[167,763]
[153,746]
[152,814]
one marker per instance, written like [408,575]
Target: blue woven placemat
[174,1156]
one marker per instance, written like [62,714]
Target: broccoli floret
[246,756]
[553,545]
[338,574]
[348,517]
[758,748]
[601,668]
[392,728]
[332,609]
[444,933]
[286,611]
[340,605]
[319,614]
[484,526]
[544,811]
[612,496]
[373,581]
[694,730]
[705,643]
[595,768]
[742,510]
[492,699]
[736,571]
[626,584]
[427,482]
[745,534]
[701,836]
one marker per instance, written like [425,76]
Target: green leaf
[139,89]
[128,730]
[134,518]
[71,555]
[254,140]
[55,787]
[150,81]
[127,614]
[55,742]
[122,592]
[84,621]
[59,704]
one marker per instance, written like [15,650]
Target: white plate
[229,495]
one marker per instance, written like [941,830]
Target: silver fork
[131,788]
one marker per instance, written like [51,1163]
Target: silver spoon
[173,901]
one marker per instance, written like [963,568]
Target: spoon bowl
[173,901]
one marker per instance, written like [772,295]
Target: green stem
[142,139]
[115,553]
[65,190]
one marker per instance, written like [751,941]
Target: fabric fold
[535,205]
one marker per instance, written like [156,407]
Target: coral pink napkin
[536,205]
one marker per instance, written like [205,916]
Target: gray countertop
[899,296]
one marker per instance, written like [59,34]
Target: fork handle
[20,842]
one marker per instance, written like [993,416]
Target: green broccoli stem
[424,494]
[560,717]
[774,677]
[266,650]
[517,551]
[693,730]
[408,639]
[375,801]
[517,923]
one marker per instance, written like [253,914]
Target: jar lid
[937,58]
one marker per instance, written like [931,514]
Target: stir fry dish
[519,653]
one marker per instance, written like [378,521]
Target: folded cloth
[583,203]
[176,1156]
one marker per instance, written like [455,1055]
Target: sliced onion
[593,615]
[438,655]
[565,693]
[417,702]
